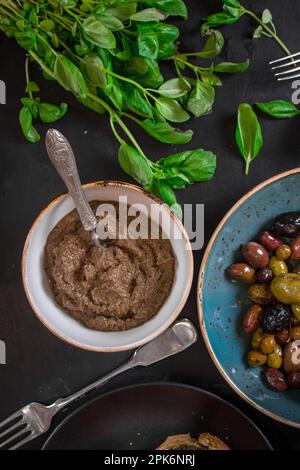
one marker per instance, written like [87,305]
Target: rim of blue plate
[212,240]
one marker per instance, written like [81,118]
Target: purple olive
[264,275]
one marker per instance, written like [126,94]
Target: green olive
[283,252]
[260,294]
[274,361]
[256,359]
[257,338]
[286,288]
[277,266]
[268,344]
[296,311]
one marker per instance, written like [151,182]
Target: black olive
[275,318]
[287,225]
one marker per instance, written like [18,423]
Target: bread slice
[185,442]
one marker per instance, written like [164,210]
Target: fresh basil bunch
[108,53]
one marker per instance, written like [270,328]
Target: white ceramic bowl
[63,325]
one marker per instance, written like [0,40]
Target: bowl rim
[200,295]
[129,346]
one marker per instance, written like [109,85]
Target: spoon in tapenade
[62,156]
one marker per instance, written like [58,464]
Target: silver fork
[284,62]
[35,419]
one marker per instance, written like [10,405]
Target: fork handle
[63,402]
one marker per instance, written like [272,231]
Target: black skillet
[141,417]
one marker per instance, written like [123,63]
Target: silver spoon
[35,419]
[61,155]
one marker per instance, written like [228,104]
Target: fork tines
[14,432]
[288,61]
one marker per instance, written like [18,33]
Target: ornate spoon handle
[61,154]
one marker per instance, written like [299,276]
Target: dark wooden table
[39,366]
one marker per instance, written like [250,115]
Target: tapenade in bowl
[118,297]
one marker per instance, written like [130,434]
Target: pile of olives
[271,269]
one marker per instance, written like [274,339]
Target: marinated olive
[257,338]
[255,255]
[283,252]
[294,380]
[278,267]
[291,357]
[283,336]
[256,359]
[278,350]
[276,380]
[274,361]
[251,318]
[295,333]
[264,275]
[275,318]
[242,272]
[296,311]
[269,241]
[286,288]
[295,247]
[267,344]
[287,225]
[260,294]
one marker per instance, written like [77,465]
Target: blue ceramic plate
[221,303]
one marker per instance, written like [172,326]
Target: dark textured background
[39,366]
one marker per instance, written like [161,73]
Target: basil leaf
[147,42]
[149,14]
[162,190]
[248,134]
[97,33]
[232,67]
[171,110]
[33,105]
[47,25]
[279,109]
[232,3]
[69,76]
[135,101]
[111,22]
[26,39]
[163,132]
[201,99]
[135,165]
[179,181]
[32,87]
[218,19]
[210,79]
[172,7]
[91,66]
[197,165]
[213,46]
[122,10]
[174,88]
[266,16]
[115,95]
[258,32]
[25,119]
[50,113]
